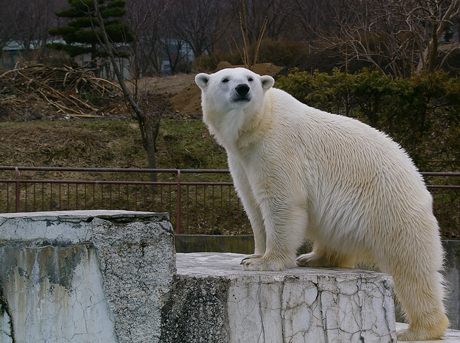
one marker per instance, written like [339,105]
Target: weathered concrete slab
[245,245]
[84,276]
[62,227]
[53,293]
[296,305]
[110,276]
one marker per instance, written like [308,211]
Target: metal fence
[198,201]
[196,206]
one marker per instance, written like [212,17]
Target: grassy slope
[182,143]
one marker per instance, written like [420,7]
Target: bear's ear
[267,82]
[202,80]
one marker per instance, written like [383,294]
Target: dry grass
[73,92]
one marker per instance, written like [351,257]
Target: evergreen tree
[82,34]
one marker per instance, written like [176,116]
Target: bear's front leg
[285,227]
[266,262]
[245,192]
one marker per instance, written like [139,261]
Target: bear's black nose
[242,89]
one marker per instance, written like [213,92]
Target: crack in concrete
[259,299]
[283,317]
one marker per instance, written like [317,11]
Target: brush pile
[74,92]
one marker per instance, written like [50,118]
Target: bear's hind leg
[418,283]
[324,257]
[421,298]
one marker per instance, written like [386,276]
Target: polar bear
[302,173]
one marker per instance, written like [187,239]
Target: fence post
[178,203]
[18,193]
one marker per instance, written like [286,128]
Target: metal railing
[195,205]
[198,201]
[445,189]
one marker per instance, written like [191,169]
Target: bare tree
[370,31]
[432,16]
[149,122]
[27,22]
[308,17]
[144,17]
[200,23]
[275,15]
[396,36]
[8,15]
[177,51]
[317,18]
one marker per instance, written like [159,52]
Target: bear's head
[233,88]
[232,101]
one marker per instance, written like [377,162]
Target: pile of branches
[68,90]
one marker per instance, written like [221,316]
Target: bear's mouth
[246,98]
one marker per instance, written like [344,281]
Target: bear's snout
[242,89]
[242,93]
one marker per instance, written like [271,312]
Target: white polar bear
[306,174]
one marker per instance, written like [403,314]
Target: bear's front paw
[253,256]
[251,263]
[310,260]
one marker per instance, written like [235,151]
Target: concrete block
[84,276]
[110,276]
[296,305]
[53,294]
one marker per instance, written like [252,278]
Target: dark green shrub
[206,64]
[422,113]
[280,53]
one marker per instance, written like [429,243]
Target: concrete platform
[110,276]
[84,276]
[227,265]
[296,305]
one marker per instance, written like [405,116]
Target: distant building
[14,52]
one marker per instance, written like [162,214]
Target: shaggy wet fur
[306,174]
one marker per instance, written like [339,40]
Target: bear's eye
[250,79]
[225,80]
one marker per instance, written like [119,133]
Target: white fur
[306,174]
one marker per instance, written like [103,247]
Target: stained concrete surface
[295,305]
[84,276]
[203,265]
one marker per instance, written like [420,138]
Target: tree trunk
[149,128]
[428,58]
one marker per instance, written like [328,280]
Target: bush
[422,113]
[280,53]
[206,64]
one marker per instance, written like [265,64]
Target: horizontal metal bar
[190,183]
[147,170]
[119,170]
[131,194]
[185,183]
[94,182]
[439,174]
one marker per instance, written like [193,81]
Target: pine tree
[82,34]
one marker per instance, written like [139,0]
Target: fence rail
[199,201]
